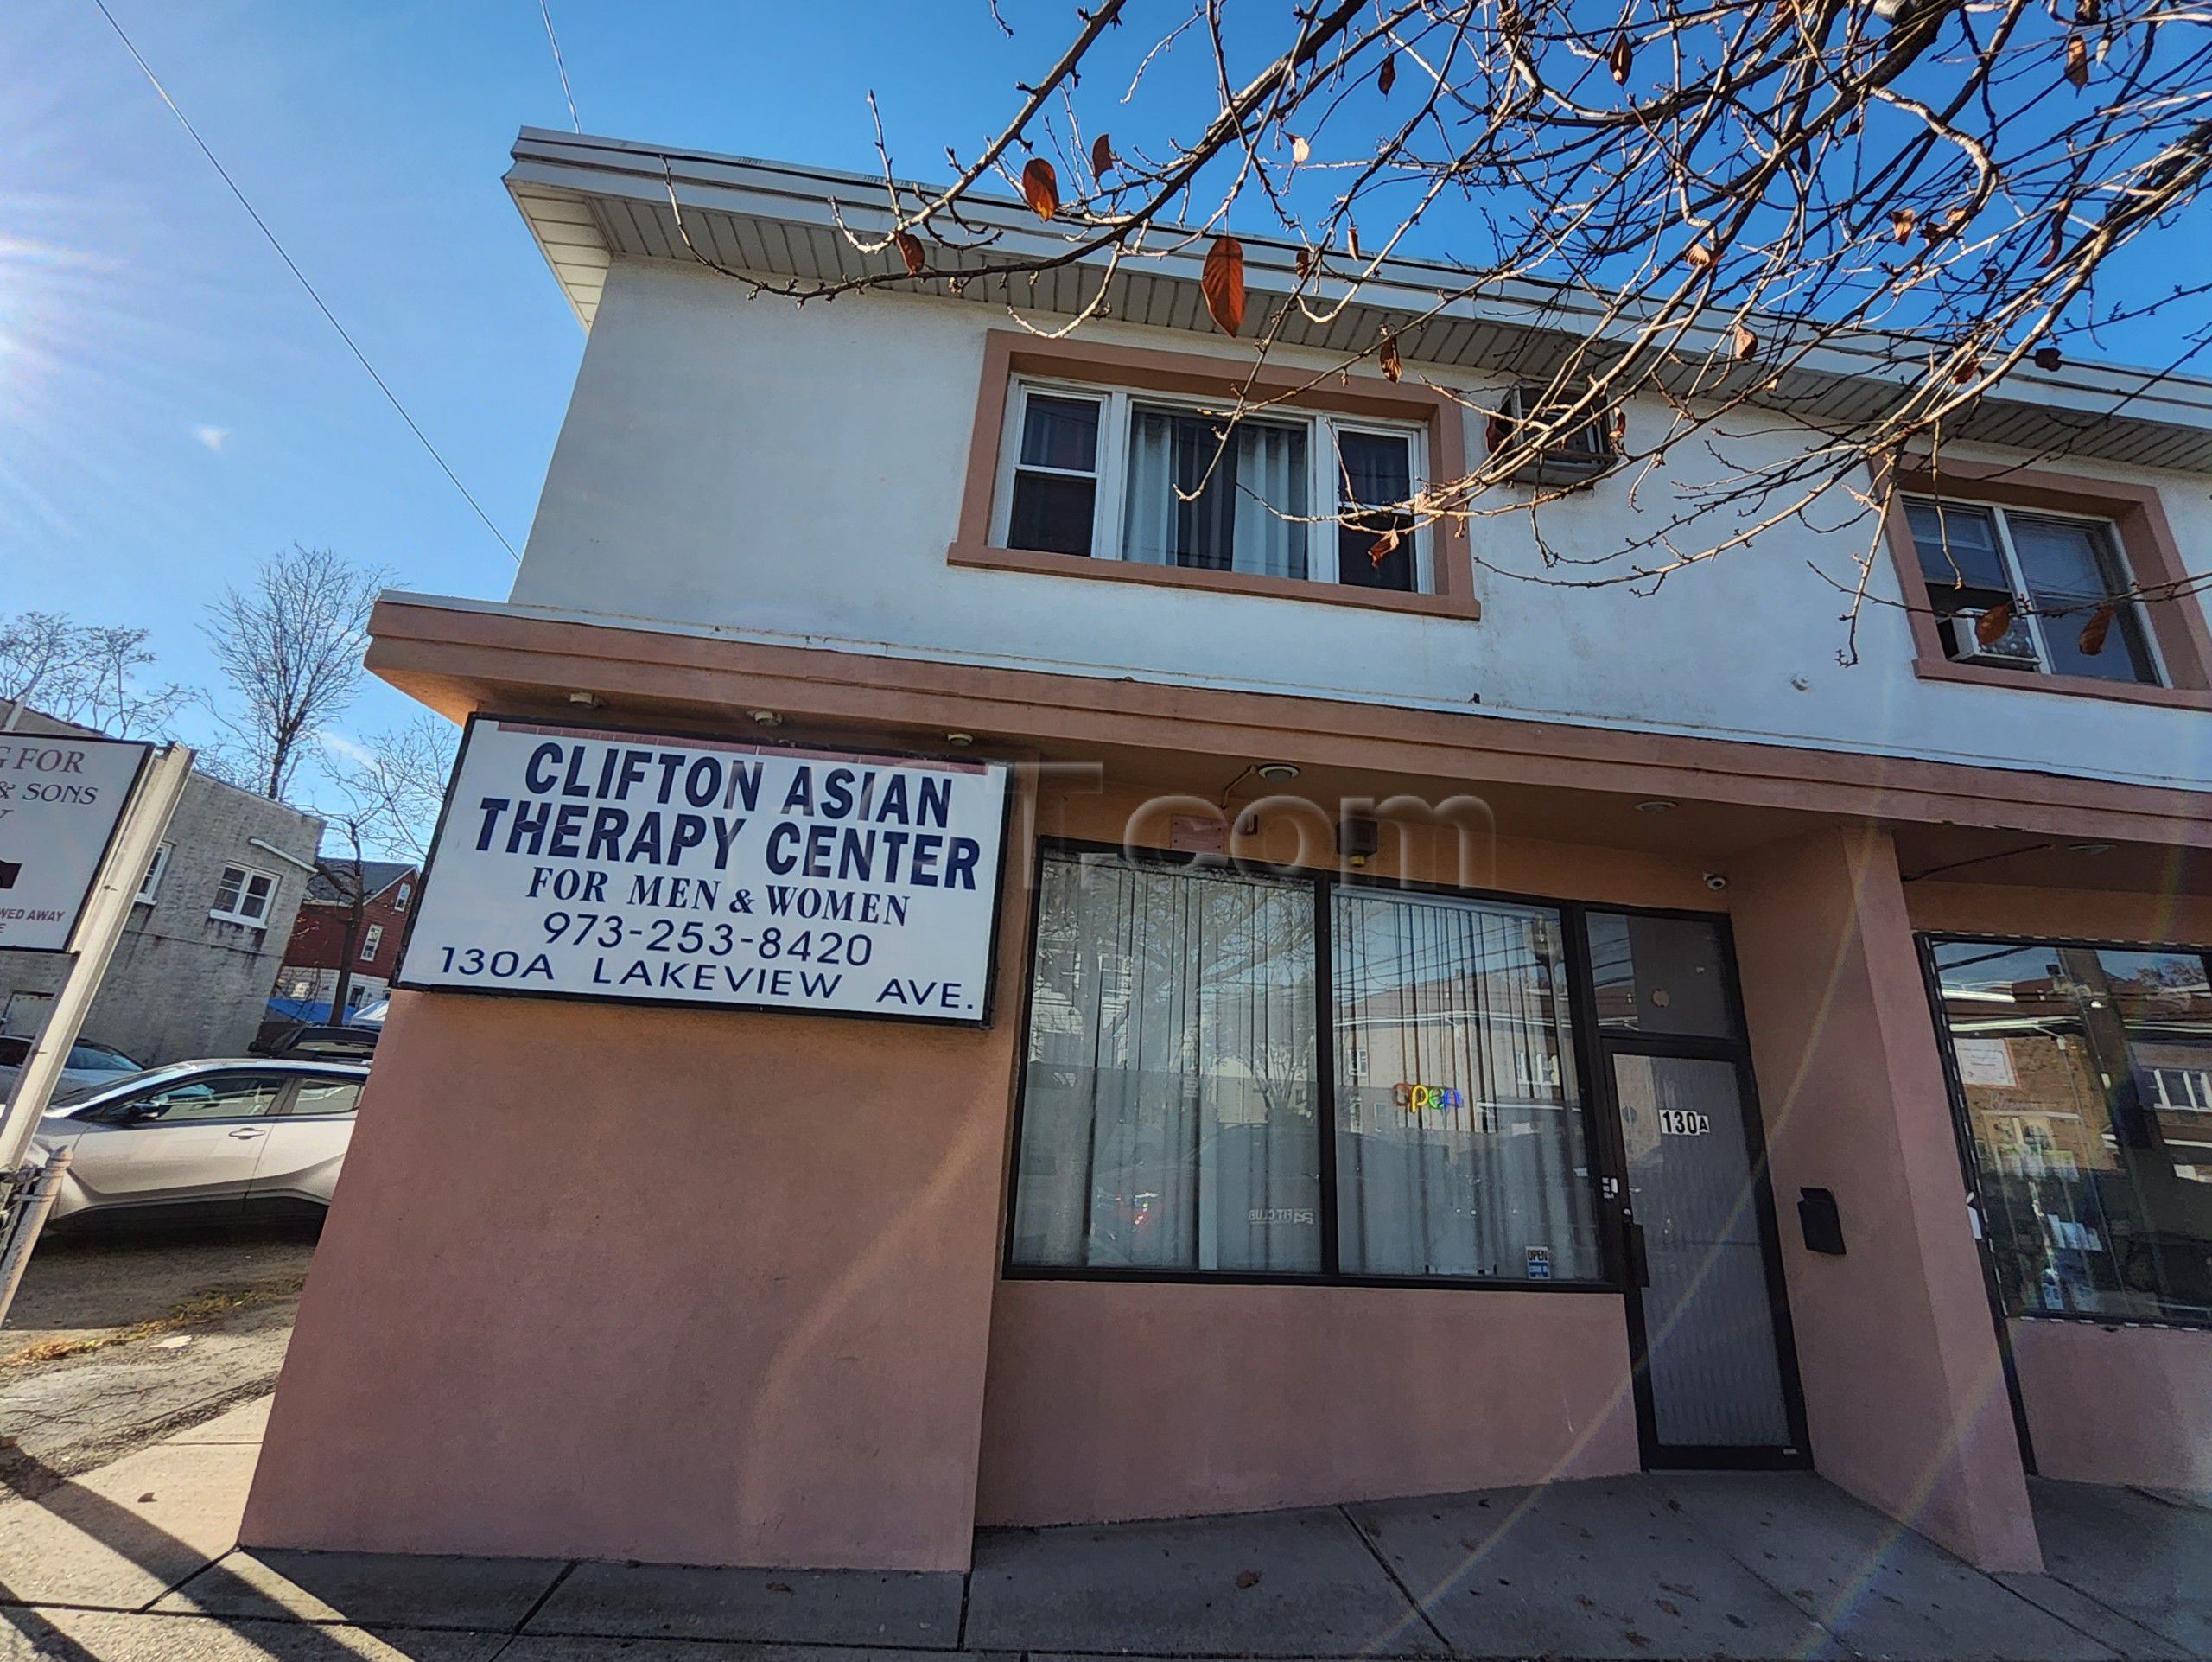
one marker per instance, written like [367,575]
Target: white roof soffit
[589,199]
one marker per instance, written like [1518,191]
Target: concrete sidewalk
[136,1563]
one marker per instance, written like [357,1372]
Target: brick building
[325,940]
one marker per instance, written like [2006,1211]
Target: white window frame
[406,893]
[372,939]
[247,874]
[1324,478]
[150,887]
[2023,603]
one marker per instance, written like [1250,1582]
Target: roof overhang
[588,200]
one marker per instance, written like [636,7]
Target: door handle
[1639,1257]
[250,1131]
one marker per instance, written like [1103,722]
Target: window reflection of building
[2083,1074]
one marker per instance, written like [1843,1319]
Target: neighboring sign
[1539,1260]
[61,798]
[1684,1122]
[585,862]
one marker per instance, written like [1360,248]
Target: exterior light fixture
[1277,773]
[960,741]
[588,700]
[1654,804]
[766,717]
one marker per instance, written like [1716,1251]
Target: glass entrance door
[1715,1374]
[1711,1363]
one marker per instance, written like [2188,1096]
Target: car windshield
[86,1057]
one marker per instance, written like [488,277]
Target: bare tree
[389,797]
[289,645]
[1722,212]
[89,674]
[399,785]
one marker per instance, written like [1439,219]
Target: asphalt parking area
[119,1340]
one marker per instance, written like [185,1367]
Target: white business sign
[591,863]
[60,799]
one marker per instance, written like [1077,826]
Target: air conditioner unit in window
[1570,458]
[2014,649]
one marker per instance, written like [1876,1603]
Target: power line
[554,40]
[291,264]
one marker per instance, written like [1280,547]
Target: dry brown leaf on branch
[1393,366]
[1901,224]
[1102,155]
[2095,631]
[1621,59]
[1222,282]
[1992,625]
[1387,76]
[910,250]
[1300,149]
[2077,60]
[1700,256]
[1308,261]
[1742,342]
[1352,238]
[1040,186]
[1385,545]
[2049,358]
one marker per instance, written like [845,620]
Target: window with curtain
[1307,495]
[2081,1075]
[1460,1147]
[1170,1111]
[1214,497]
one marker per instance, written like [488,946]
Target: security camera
[1715,881]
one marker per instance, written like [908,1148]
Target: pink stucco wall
[1903,1382]
[1112,1400]
[702,1287]
[2117,1404]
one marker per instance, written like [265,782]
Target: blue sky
[172,407]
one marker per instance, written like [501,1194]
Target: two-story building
[1624,1036]
[192,972]
[330,942]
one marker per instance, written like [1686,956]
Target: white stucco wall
[795,474]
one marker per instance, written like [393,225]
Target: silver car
[204,1139]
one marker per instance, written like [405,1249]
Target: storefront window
[1172,1105]
[1460,1142]
[2082,1072]
[1169,1119]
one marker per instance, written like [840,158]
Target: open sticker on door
[1683,1121]
[1540,1262]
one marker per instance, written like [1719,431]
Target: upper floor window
[151,886]
[399,901]
[2064,581]
[1304,495]
[245,895]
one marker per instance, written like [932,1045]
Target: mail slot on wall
[1821,1224]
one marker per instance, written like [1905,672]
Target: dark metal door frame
[1625,1234]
